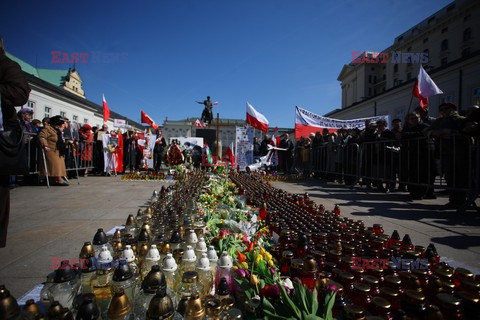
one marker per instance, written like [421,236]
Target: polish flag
[424,87]
[229,153]
[199,124]
[256,119]
[146,119]
[215,103]
[106,110]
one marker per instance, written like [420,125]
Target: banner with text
[244,146]
[307,122]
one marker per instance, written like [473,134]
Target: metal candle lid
[9,308]
[154,280]
[100,237]
[119,306]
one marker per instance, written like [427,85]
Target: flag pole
[218,135]
[410,105]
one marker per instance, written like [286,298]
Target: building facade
[59,92]
[447,44]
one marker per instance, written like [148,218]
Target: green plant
[302,304]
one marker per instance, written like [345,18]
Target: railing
[421,163]
[79,155]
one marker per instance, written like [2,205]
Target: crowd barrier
[79,154]
[421,163]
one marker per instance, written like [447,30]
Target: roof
[53,76]
[50,79]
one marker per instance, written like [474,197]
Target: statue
[207,114]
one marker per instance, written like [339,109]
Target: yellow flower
[268,256]
[254,280]
[262,251]
[235,267]
[271,263]
[259,258]
[244,265]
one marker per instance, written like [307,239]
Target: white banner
[307,118]
[244,146]
[119,123]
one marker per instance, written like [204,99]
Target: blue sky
[276,54]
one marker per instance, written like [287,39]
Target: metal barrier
[79,154]
[421,163]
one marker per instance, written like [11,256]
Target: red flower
[251,246]
[270,291]
[241,257]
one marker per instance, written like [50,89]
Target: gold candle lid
[414,295]
[464,272]
[354,312]
[87,250]
[371,280]
[347,276]
[194,309]
[297,263]
[393,280]
[160,307]
[166,248]
[213,307]
[310,265]
[448,299]
[119,306]
[381,303]
[362,287]
[31,307]
[389,292]
[54,310]
[467,296]
[130,220]
[142,250]
[9,308]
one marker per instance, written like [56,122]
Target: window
[444,30]
[48,111]
[369,79]
[444,45]
[369,92]
[444,61]
[384,77]
[374,92]
[467,34]
[431,20]
[374,79]
[450,8]
[395,68]
[63,114]
[75,118]
[383,89]
[31,104]
[409,76]
[85,120]
[465,52]
[425,40]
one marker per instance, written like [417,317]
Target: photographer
[14,91]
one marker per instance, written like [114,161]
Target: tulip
[254,280]
[241,257]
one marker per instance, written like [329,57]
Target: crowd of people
[408,157]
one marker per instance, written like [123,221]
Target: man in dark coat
[14,91]
[453,152]
[160,145]
[264,145]
[287,156]
[129,151]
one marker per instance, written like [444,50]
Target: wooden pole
[218,135]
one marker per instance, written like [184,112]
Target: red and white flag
[215,103]
[424,87]
[199,124]
[106,110]
[229,153]
[256,119]
[146,119]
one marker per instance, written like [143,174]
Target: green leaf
[303,298]
[312,317]
[314,301]
[275,316]
[289,303]
[329,302]
[267,305]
